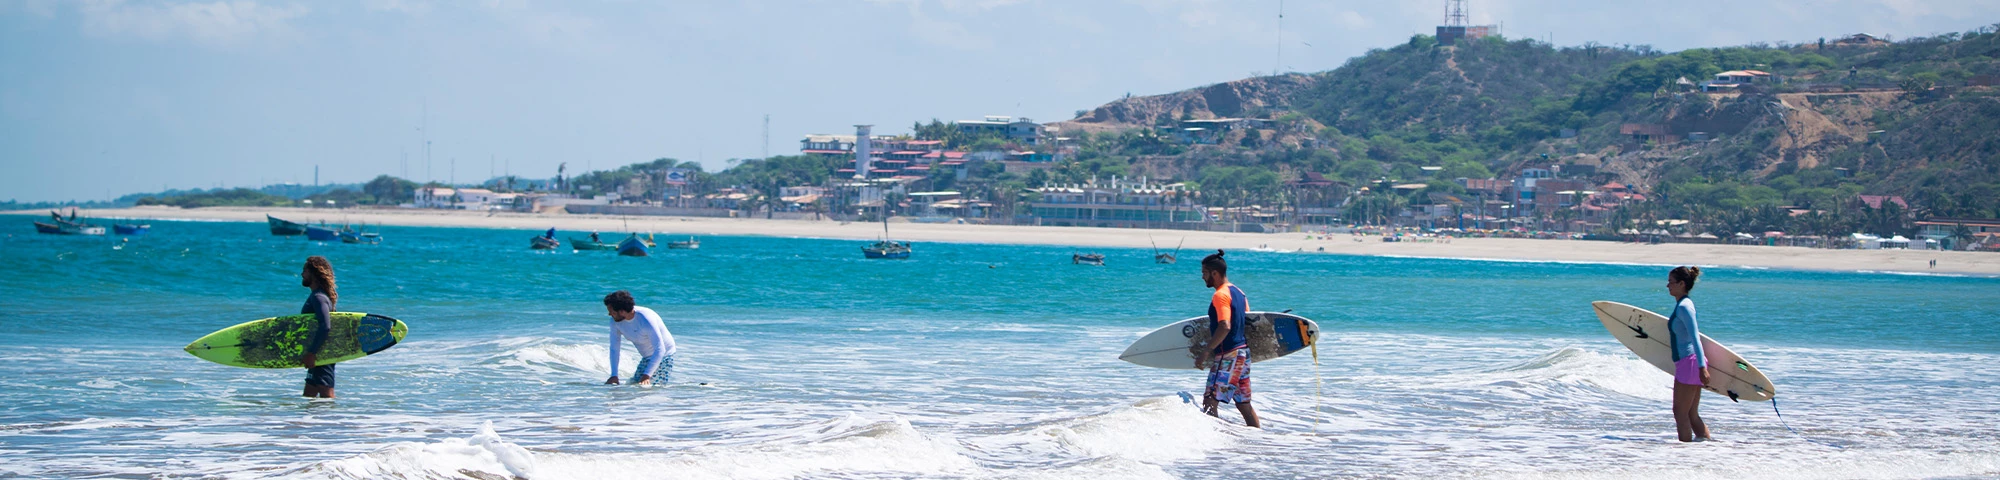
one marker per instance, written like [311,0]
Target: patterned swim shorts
[660,374]
[1229,377]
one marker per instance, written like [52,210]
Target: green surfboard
[280,342]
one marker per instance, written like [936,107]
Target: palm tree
[1961,235]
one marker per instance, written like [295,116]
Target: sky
[101,98]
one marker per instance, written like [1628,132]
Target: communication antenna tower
[1454,13]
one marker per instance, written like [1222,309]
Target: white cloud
[220,23]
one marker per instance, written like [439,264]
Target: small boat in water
[348,235]
[131,229]
[633,246]
[690,244]
[886,248]
[1166,258]
[284,228]
[71,226]
[1087,259]
[580,244]
[321,234]
[543,243]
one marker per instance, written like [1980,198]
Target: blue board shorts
[1229,377]
[660,374]
[320,376]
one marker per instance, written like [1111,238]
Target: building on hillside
[1737,79]
[1560,194]
[1859,40]
[1017,130]
[1117,204]
[1643,132]
[1450,35]
[829,145]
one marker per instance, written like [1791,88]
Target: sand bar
[1903,261]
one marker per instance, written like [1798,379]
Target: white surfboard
[1271,335]
[1646,334]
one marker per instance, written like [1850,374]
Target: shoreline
[1902,262]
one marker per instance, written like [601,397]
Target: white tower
[862,153]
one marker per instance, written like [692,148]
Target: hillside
[1914,118]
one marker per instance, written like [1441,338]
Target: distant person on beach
[1228,362]
[647,333]
[318,276]
[1690,362]
[1933,263]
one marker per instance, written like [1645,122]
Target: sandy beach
[1902,261]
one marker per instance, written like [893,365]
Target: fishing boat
[633,246]
[1087,259]
[71,226]
[321,234]
[131,229]
[588,244]
[543,243]
[1166,258]
[690,244]
[284,228]
[350,235]
[886,248]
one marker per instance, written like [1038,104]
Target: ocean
[800,359]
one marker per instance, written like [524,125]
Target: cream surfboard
[1271,335]
[1646,334]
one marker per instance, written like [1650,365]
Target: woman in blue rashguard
[1690,363]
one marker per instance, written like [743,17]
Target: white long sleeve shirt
[648,334]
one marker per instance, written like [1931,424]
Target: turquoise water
[801,359]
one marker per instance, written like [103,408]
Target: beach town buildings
[1961,233]
[461,198]
[1118,203]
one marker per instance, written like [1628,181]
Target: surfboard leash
[1788,426]
[1318,386]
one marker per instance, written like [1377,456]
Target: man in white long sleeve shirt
[643,327]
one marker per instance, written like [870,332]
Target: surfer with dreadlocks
[1228,361]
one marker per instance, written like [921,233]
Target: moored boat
[321,234]
[131,229]
[690,244]
[284,228]
[587,244]
[633,246]
[1087,259]
[71,226]
[543,243]
[1164,257]
[887,249]
[348,235]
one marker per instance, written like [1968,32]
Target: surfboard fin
[1732,396]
